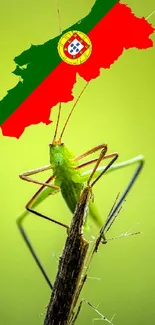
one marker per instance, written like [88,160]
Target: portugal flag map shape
[48,79]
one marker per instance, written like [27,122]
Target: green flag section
[48,80]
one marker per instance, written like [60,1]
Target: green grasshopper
[68,179]
[76,258]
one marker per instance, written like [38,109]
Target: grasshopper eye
[62,143]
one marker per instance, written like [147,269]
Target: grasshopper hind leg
[35,200]
[32,250]
[117,205]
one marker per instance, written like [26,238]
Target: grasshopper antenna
[60,31]
[56,128]
[58,14]
[54,139]
[72,110]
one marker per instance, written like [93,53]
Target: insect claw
[92,197]
[68,230]
[104,240]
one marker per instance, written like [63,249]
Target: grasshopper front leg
[25,176]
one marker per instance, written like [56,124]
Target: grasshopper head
[57,154]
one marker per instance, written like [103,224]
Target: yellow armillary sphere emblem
[74,47]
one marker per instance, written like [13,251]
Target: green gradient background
[117,108]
